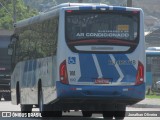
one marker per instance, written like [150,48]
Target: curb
[145,106]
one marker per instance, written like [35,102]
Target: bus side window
[22,45]
[12,49]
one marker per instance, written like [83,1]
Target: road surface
[138,112]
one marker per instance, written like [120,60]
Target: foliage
[28,8]
[153,96]
[39,4]
[6,13]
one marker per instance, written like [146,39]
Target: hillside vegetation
[150,7]
[28,8]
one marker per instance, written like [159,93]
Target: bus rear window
[96,27]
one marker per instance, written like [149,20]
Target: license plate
[102,81]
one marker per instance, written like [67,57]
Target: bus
[5,68]
[77,56]
[152,68]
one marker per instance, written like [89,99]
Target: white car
[158,85]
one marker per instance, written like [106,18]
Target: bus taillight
[63,73]
[69,11]
[140,74]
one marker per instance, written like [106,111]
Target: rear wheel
[41,105]
[86,113]
[18,93]
[57,113]
[40,102]
[0,96]
[26,108]
[108,115]
[120,113]
[47,110]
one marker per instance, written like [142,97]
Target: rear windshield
[106,25]
[86,25]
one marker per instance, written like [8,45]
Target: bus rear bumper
[100,94]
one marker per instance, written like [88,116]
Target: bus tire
[0,96]
[120,113]
[18,93]
[108,115]
[86,113]
[42,108]
[56,114]
[47,110]
[26,108]
[40,102]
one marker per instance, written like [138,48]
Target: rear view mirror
[11,45]
[10,49]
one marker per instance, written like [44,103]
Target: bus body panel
[27,74]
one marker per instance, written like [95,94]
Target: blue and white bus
[152,67]
[88,57]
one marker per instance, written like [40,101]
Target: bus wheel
[120,113]
[40,102]
[0,96]
[47,110]
[108,115]
[42,107]
[26,108]
[86,113]
[56,114]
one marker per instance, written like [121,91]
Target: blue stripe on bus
[108,70]
[86,8]
[119,8]
[88,68]
[128,70]
[89,71]
[101,7]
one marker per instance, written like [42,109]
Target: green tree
[6,12]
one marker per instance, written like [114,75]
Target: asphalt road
[132,112]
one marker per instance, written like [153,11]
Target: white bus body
[71,58]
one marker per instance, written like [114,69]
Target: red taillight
[140,74]
[69,11]
[63,73]
[135,12]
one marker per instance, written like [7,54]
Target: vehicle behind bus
[5,68]
[88,57]
[152,68]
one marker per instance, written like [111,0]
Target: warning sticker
[123,28]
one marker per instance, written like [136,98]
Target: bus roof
[78,6]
